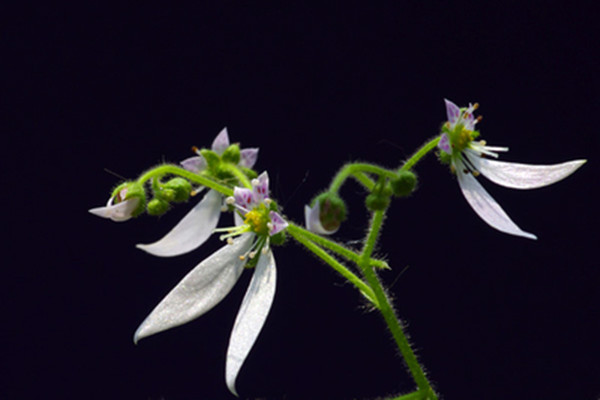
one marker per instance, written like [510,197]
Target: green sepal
[332,210]
[157,207]
[212,159]
[177,190]
[404,184]
[444,157]
[278,239]
[232,154]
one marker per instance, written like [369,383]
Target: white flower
[211,280]
[119,211]
[197,226]
[467,158]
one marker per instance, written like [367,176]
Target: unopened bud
[404,184]
[157,207]
[178,189]
[232,154]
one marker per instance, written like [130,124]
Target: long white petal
[200,290]
[523,176]
[486,207]
[191,231]
[251,317]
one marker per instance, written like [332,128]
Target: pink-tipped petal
[248,157]
[277,222]
[452,111]
[251,317]
[444,144]
[243,197]
[221,142]
[194,164]
[260,187]
[523,176]
[193,230]
[486,207]
[200,290]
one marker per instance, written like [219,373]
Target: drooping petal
[117,212]
[452,111]
[277,223]
[221,142]
[486,207]
[251,317]
[312,220]
[523,176]
[248,157]
[444,144]
[193,230]
[194,164]
[260,187]
[200,290]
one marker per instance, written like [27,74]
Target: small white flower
[119,211]
[211,280]
[467,158]
[197,226]
[312,220]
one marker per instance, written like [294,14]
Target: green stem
[335,264]
[242,178]
[357,170]
[335,247]
[415,158]
[386,309]
[174,170]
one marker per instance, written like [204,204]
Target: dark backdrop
[124,87]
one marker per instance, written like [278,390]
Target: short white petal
[200,290]
[191,231]
[221,142]
[251,317]
[486,207]
[523,176]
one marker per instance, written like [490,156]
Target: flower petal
[221,142]
[248,157]
[251,317]
[312,220]
[452,111]
[191,231]
[277,222]
[243,197]
[199,291]
[260,187]
[194,164]
[486,207]
[523,176]
[444,144]
[117,212]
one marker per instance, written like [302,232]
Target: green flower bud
[177,190]
[157,207]
[444,157]
[378,201]
[404,184]
[232,154]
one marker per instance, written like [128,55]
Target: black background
[124,87]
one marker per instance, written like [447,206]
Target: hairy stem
[386,310]
[175,170]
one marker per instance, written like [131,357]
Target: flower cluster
[468,159]
[211,280]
